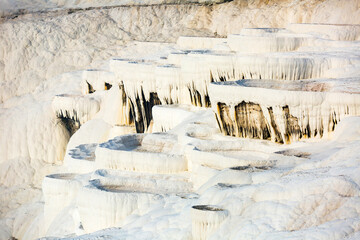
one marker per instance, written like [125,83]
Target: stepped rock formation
[281,112]
[155,135]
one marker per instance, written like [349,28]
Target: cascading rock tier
[74,110]
[59,190]
[102,206]
[167,117]
[206,219]
[338,32]
[280,112]
[195,43]
[154,153]
[96,80]
[267,42]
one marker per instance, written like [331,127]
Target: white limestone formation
[169,86]
[139,82]
[282,66]
[220,155]
[139,79]
[241,175]
[103,206]
[81,159]
[17,7]
[206,219]
[167,117]
[116,107]
[157,183]
[119,130]
[157,153]
[196,43]
[176,57]
[75,110]
[338,32]
[256,32]
[201,174]
[93,131]
[96,80]
[253,110]
[60,190]
[199,68]
[295,83]
[268,42]
[118,67]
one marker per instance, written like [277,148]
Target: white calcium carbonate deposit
[179,119]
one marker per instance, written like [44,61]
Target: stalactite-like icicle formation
[73,110]
[138,79]
[250,110]
[267,42]
[168,80]
[184,76]
[251,116]
[339,32]
[147,84]
[95,80]
[199,68]
[120,113]
[290,66]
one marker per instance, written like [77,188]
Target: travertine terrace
[199,132]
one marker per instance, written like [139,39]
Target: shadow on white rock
[155,153]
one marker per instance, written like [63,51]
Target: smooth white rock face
[268,191]
[144,153]
[206,220]
[198,42]
[268,42]
[110,205]
[59,190]
[167,117]
[117,195]
[339,32]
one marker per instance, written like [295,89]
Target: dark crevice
[196,99]
[292,125]
[207,101]
[70,124]
[274,126]
[251,122]
[142,110]
[248,121]
[107,86]
[222,79]
[126,102]
[225,122]
[90,87]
